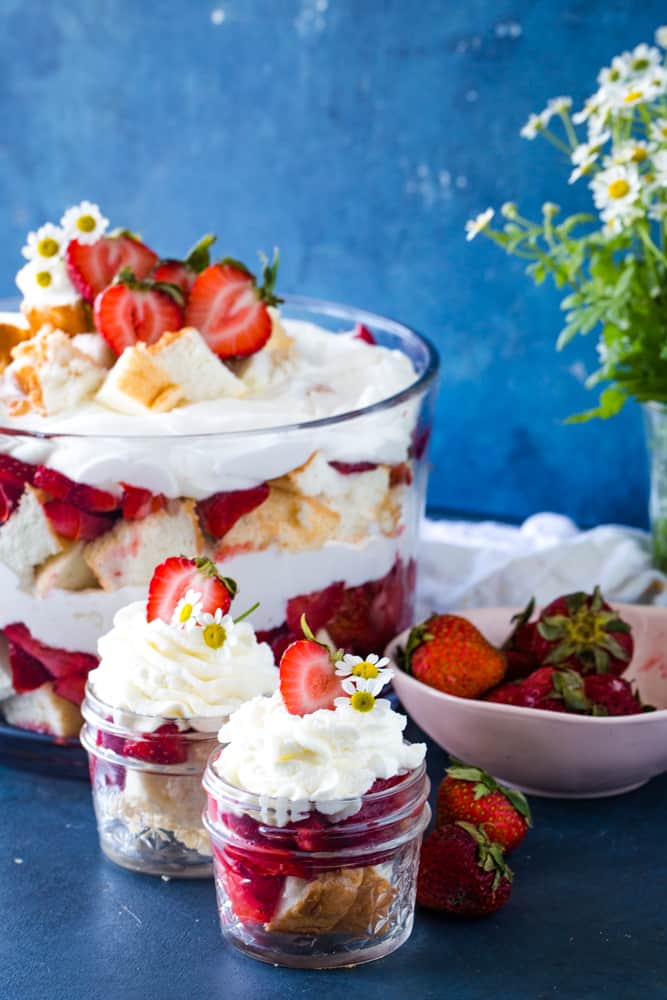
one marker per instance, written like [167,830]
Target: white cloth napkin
[465,564]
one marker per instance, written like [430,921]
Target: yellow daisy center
[663,130]
[365,669]
[186,613]
[618,188]
[48,247]
[362,701]
[639,154]
[43,279]
[634,95]
[214,635]
[86,223]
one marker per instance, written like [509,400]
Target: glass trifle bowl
[308,491]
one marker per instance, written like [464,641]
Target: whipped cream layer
[324,375]
[321,758]
[155,669]
[75,619]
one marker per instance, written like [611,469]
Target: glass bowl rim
[324,307]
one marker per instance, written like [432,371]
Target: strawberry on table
[461,871]
[132,310]
[230,310]
[449,653]
[173,578]
[93,266]
[308,679]
[471,794]
[183,273]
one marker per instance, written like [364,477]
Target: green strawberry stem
[485,784]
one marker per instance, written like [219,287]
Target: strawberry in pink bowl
[552,730]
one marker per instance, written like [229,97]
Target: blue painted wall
[359,135]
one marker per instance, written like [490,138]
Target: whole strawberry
[449,653]
[568,691]
[471,794]
[520,647]
[461,871]
[583,632]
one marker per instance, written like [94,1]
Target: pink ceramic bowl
[548,753]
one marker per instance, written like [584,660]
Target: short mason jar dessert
[316,809]
[151,407]
[172,669]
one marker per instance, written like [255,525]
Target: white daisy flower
[557,106]
[84,222]
[617,183]
[46,279]
[534,126]
[643,58]
[361,666]
[661,36]
[585,155]
[46,243]
[206,618]
[660,168]
[632,151]
[187,611]
[480,222]
[658,131]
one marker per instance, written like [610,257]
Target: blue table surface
[587,917]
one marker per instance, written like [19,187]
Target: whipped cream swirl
[156,670]
[321,758]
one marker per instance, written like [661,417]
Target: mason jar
[146,777]
[314,885]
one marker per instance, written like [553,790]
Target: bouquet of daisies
[613,261]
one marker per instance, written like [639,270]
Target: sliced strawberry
[62,488]
[253,895]
[183,273]
[175,576]
[27,672]
[318,607]
[10,494]
[420,439]
[175,272]
[308,678]
[163,746]
[72,688]
[229,310]
[220,512]
[93,266]
[400,474]
[13,470]
[137,503]
[58,662]
[372,613]
[131,310]
[350,468]
[72,522]
[362,332]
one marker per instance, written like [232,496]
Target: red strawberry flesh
[13,470]
[137,503]
[175,272]
[125,315]
[220,512]
[225,306]
[92,267]
[163,746]
[58,662]
[74,523]
[361,332]
[175,576]
[308,678]
[60,487]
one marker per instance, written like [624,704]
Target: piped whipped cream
[321,758]
[153,669]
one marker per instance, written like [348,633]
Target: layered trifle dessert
[172,669]
[316,809]
[151,407]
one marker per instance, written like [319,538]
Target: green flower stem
[555,141]
[569,129]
